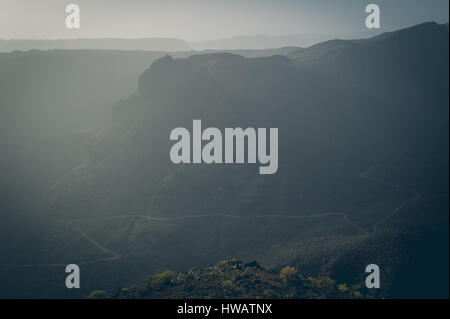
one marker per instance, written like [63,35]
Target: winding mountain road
[368,174]
[416,195]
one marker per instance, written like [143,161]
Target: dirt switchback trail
[116,255]
[416,195]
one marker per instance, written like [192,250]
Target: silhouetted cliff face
[212,86]
[381,100]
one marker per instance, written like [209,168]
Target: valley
[361,178]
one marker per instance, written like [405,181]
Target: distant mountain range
[250,42]
[262,41]
[241,42]
[152,44]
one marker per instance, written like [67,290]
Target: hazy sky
[201,19]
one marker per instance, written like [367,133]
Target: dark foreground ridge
[234,279]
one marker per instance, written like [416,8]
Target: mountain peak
[416,33]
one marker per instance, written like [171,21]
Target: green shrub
[288,274]
[163,278]
[343,288]
[227,283]
[97,294]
